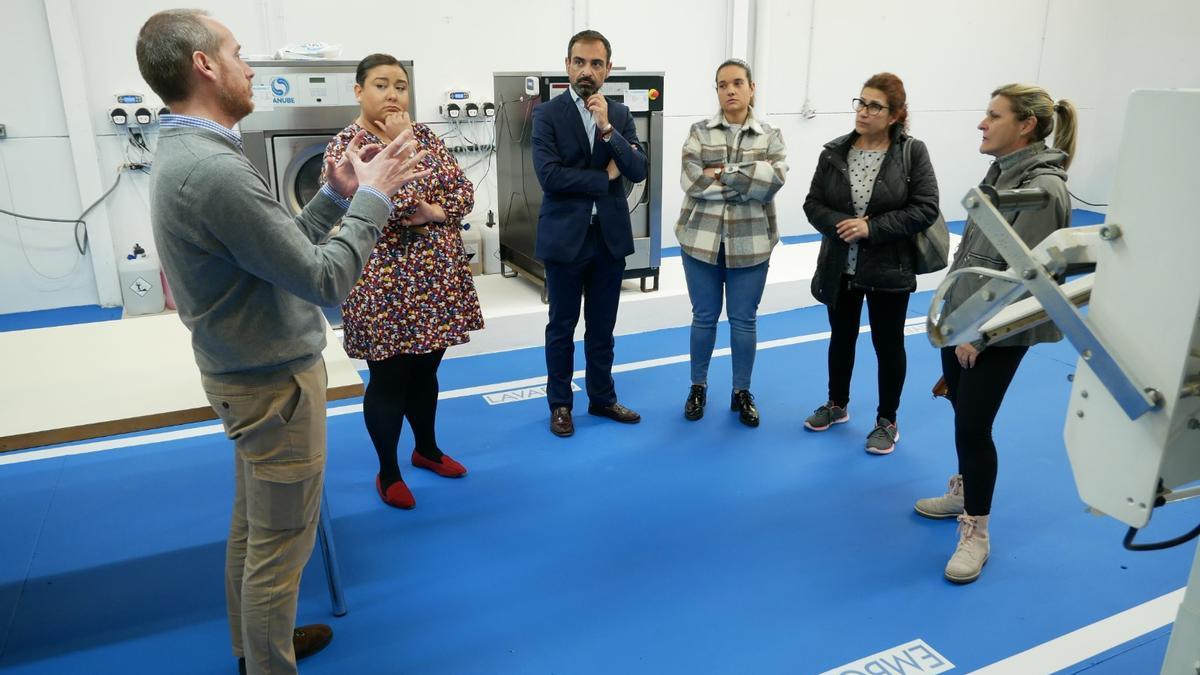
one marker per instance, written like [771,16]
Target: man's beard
[585,88]
[236,103]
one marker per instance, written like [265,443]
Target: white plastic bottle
[474,246]
[141,286]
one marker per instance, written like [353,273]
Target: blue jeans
[742,288]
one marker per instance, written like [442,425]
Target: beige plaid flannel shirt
[738,210]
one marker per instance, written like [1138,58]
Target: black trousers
[976,394]
[404,386]
[886,312]
[595,277]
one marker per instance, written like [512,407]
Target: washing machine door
[298,161]
[636,194]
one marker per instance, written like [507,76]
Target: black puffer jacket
[900,207]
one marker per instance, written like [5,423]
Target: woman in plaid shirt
[733,165]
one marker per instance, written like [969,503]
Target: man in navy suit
[582,145]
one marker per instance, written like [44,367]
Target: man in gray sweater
[247,279]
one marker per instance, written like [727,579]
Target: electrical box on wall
[454,106]
[460,105]
[133,108]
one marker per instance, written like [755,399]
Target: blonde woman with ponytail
[1020,120]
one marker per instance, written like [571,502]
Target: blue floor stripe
[64,316]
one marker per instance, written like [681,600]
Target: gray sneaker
[949,505]
[882,439]
[826,416]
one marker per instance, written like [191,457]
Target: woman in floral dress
[416,296]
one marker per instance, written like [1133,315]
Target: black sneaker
[693,407]
[743,402]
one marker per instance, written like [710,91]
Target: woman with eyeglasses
[733,164]
[1019,119]
[868,205]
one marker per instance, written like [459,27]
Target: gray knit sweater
[247,276]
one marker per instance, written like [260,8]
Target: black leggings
[976,394]
[403,386]
[886,312]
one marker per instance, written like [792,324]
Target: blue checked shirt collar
[188,121]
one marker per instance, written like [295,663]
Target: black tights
[403,386]
[976,394]
[886,312]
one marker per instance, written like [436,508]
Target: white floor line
[101,446]
[1072,648]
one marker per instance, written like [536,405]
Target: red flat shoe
[397,496]
[447,468]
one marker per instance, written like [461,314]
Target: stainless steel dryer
[520,194]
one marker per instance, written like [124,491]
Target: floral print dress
[416,294]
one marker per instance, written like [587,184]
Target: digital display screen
[316,80]
[129,98]
[458,95]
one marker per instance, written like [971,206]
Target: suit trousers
[595,278]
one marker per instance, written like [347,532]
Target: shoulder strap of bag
[907,153]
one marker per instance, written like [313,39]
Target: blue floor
[666,547]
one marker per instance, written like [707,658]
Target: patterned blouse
[864,168]
[416,294]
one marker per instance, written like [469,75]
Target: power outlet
[3,131]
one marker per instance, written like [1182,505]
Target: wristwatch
[606,132]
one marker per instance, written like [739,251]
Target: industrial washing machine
[298,107]
[517,94]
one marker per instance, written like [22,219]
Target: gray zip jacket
[1034,166]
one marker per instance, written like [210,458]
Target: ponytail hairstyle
[744,66]
[1060,118]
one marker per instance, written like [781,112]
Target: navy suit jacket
[571,170]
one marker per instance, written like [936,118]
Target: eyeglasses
[873,108]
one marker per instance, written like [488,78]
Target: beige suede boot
[972,552]
[949,505]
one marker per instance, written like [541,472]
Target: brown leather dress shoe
[615,411]
[561,423]
[306,641]
[310,639]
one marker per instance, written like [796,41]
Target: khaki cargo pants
[278,431]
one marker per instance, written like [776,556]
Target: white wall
[950,53]
[39,265]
